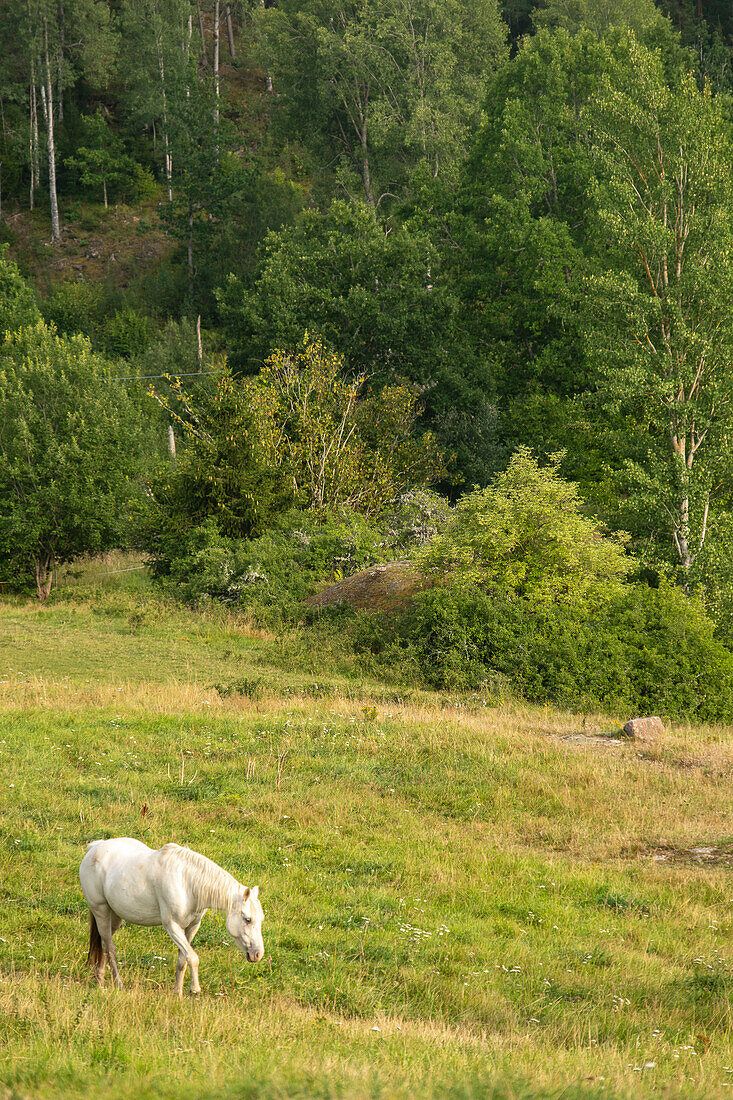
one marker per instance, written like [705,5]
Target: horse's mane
[211,884]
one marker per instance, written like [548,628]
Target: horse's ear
[255,891]
[246,893]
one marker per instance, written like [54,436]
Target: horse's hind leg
[108,923]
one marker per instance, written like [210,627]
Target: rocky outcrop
[386,587]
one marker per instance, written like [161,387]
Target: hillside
[460,901]
[118,246]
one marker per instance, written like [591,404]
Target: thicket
[530,600]
[422,238]
[645,651]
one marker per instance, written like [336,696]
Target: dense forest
[441,279]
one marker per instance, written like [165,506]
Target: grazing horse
[123,879]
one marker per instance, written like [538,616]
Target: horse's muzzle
[255,956]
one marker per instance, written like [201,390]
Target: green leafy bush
[645,650]
[272,574]
[76,307]
[18,306]
[126,334]
[525,535]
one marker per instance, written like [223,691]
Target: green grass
[459,903]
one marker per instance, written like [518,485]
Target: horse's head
[244,924]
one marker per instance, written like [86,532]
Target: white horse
[123,879]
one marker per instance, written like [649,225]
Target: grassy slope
[479,886]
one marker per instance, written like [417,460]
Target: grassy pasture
[461,902]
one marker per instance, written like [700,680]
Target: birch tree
[660,318]
[382,86]
[155,57]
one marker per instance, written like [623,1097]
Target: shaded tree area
[508,222]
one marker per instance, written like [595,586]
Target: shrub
[525,535]
[18,305]
[272,574]
[644,650]
[126,334]
[76,307]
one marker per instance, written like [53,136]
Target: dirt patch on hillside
[116,245]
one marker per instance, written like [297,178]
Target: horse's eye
[247,920]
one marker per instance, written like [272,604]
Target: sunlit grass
[466,902]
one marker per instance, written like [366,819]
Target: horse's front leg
[186,956]
[190,933]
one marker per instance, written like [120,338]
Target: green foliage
[335,444]
[521,220]
[18,303]
[644,651]
[657,311]
[101,162]
[642,17]
[378,295]
[81,307]
[713,573]
[223,471]
[525,536]
[270,575]
[299,434]
[382,87]
[68,452]
[76,307]
[126,334]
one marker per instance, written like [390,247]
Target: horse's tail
[96,951]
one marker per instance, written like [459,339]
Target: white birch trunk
[217,20]
[47,97]
[230,33]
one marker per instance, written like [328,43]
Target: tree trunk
[166,141]
[34,152]
[681,533]
[60,65]
[172,444]
[230,33]
[43,565]
[217,19]
[365,172]
[189,250]
[31,150]
[104,188]
[201,32]
[47,97]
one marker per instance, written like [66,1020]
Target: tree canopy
[69,440]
